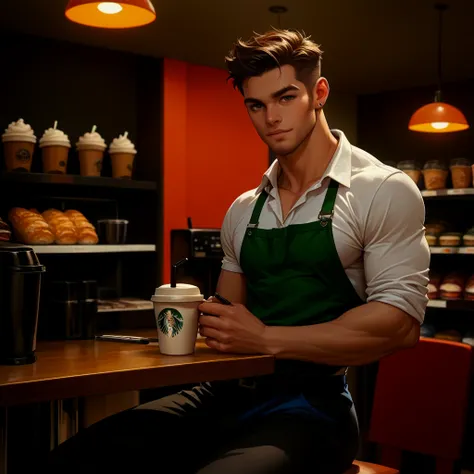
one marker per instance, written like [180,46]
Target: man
[326,265]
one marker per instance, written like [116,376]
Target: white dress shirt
[378,226]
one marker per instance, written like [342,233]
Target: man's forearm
[360,336]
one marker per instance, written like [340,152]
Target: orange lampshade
[438,117]
[120,14]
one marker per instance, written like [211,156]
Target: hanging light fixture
[438,117]
[114,15]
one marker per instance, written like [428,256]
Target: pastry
[449,335]
[5,232]
[437,227]
[469,289]
[435,175]
[450,239]
[452,287]
[433,287]
[468,238]
[85,230]
[62,227]
[461,173]
[30,227]
[410,168]
[432,239]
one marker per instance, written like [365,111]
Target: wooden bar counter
[67,369]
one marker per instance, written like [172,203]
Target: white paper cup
[177,315]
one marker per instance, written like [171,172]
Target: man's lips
[277,133]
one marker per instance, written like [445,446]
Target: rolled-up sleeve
[230,261]
[396,254]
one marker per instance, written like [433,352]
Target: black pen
[131,339]
[222,300]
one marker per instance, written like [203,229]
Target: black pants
[215,428]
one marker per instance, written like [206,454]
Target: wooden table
[70,369]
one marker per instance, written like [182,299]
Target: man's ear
[320,93]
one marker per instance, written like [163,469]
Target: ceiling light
[438,117]
[113,15]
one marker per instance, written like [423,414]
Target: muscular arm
[360,336]
[231,285]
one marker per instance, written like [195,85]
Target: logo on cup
[170,321]
[23,155]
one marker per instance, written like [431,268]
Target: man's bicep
[396,254]
[231,285]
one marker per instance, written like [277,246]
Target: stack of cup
[122,153]
[19,144]
[177,316]
[55,146]
[91,147]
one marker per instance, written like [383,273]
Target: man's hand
[231,328]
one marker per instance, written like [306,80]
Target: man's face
[281,109]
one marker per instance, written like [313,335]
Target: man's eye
[288,98]
[255,107]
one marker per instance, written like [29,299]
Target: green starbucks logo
[98,165]
[170,321]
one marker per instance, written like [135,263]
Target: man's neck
[309,162]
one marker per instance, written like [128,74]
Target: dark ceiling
[370,45]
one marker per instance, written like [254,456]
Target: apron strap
[257,210]
[327,210]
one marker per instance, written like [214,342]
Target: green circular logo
[170,322]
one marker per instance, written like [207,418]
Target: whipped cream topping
[122,144]
[19,131]
[53,136]
[91,139]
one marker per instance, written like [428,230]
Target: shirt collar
[339,167]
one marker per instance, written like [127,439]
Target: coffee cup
[19,144]
[177,316]
[91,147]
[122,154]
[55,147]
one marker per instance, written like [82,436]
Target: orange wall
[211,153]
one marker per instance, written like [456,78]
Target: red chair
[368,468]
[420,402]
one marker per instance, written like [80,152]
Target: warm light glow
[110,8]
[438,117]
[113,15]
[440,125]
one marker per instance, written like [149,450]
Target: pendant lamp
[113,15]
[438,117]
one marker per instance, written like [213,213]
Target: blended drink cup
[177,316]
[122,153]
[91,147]
[55,147]
[19,144]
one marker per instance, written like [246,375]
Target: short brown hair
[273,49]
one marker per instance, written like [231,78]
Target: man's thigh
[170,428]
[284,444]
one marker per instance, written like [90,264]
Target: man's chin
[282,150]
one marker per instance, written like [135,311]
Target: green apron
[294,275]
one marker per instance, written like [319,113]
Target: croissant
[85,230]
[62,227]
[30,227]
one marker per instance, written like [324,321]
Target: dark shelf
[455,305]
[75,180]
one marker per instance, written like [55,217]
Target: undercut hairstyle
[273,49]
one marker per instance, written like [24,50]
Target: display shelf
[62,249]
[451,250]
[458,305]
[447,192]
[76,180]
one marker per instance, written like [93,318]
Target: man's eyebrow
[275,95]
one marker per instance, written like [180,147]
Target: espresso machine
[203,249]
